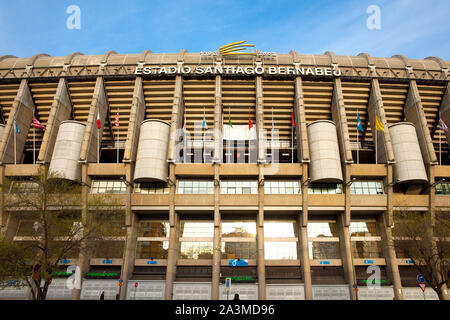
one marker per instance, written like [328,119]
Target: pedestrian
[102,296]
[236,296]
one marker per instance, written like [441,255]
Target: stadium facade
[283,172]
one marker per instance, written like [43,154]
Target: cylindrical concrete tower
[408,166]
[66,153]
[324,149]
[151,158]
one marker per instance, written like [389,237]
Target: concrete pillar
[60,111]
[23,106]
[172,255]
[137,115]
[340,119]
[132,226]
[84,256]
[384,144]
[217,252]
[346,253]
[99,104]
[260,119]
[300,120]
[261,264]
[218,123]
[303,253]
[414,113]
[389,254]
[177,115]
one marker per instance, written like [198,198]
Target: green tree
[424,238]
[51,229]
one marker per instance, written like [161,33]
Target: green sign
[374,281]
[237,279]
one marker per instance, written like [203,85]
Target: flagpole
[98,145]
[292,144]
[440,149]
[118,133]
[15,149]
[357,138]
[376,140]
[34,145]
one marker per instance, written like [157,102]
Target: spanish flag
[378,125]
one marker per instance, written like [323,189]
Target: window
[366,249]
[24,187]
[108,186]
[238,250]
[366,187]
[363,229]
[152,188]
[196,250]
[323,241]
[239,187]
[239,229]
[280,250]
[280,230]
[152,250]
[282,187]
[325,188]
[365,240]
[443,188]
[195,186]
[197,229]
[158,229]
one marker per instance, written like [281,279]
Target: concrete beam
[340,119]
[414,113]
[137,115]
[23,106]
[92,135]
[260,119]
[218,123]
[61,110]
[300,120]
[217,252]
[176,119]
[346,253]
[303,254]
[172,255]
[385,151]
[129,255]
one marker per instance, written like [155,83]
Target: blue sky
[414,28]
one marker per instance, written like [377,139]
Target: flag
[229,121]
[204,124]
[358,123]
[293,122]
[116,121]
[15,124]
[378,125]
[99,125]
[250,124]
[37,124]
[443,125]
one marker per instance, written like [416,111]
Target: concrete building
[247,166]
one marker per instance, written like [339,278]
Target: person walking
[236,296]
[102,296]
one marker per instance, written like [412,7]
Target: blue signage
[65,261]
[237,263]
[151,262]
[324,262]
[420,278]
[107,261]
[409,262]
[368,261]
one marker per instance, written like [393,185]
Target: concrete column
[177,115]
[389,190]
[340,119]
[132,226]
[84,256]
[389,255]
[346,253]
[300,120]
[99,104]
[3,215]
[172,255]
[137,115]
[23,106]
[414,113]
[260,119]
[261,264]
[385,151]
[303,253]
[218,120]
[217,252]
[60,111]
